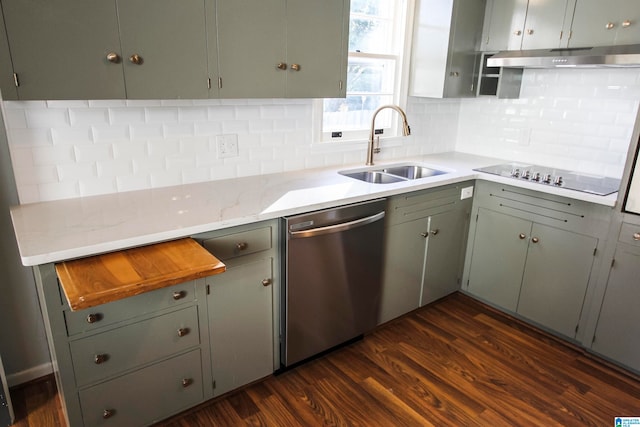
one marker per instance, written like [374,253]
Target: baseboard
[29,374]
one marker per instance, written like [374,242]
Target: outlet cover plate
[227,146]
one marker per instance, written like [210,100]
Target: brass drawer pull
[113,57]
[281,66]
[636,236]
[94,317]
[535,239]
[241,246]
[522,236]
[425,235]
[295,67]
[100,358]
[179,295]
[186,382]
[183,331]
[108,413]
[136,59]
[266,282]
[436,231]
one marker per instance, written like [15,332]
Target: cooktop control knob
[515,173]
[526,175]
[547,178]
[558,181]
[536,177]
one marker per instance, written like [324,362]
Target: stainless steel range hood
[602,56]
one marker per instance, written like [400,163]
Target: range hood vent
[585,57]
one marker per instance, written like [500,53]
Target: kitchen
[574,119]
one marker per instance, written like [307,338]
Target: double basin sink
[394,173]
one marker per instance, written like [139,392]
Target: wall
[566,118]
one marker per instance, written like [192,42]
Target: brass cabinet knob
[113,57]
[434,232]
[535,239]
[281,66]
[454,74]
[108,413]
[609,25]
[94,317]
[179,295]
[99,359]
[136,59]
[517,33]
[636,236]
[626,23]
[186,382]
[183,331]
[241,246]
[295,67]
[530,31]
[425,235]
[266,282]
[522,236]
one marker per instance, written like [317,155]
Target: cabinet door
[445,247]
[405,246]
[618,330]
[7,85]
[544,24]
[628,23]
[555,278]
[317,33]
[595,23]
[241,325]
[170,38]
[59,49]
[498,257]
[251,43]
[504,23]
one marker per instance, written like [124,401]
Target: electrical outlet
[227,145]
[466,193]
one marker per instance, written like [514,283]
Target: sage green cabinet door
[445,248]
[555,278]
[598,23]
[170,38]
[7,85]
[317,33]
[252,42]
[504,21]
[241,325]
[618,331]
[498,258]
[59,48]
[544,24]
[405,247]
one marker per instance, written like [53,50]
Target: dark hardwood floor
[453,363]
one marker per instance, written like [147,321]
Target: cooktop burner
[594,184]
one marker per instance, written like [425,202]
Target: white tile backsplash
[575,119]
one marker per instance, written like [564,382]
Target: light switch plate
[466,193]
[227,145]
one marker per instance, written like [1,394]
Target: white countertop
[65,229]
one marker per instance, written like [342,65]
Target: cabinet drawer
[108,353]
[147,395]
[420,204]
[630,233]
[127,308]
[239,244]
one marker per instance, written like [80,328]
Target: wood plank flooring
[453,363]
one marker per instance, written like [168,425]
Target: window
[377,31]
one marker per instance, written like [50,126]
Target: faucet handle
[377,145]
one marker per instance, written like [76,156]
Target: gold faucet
[406,131]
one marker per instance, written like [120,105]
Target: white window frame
[404,17]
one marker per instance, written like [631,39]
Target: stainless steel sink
[374,177]
[391,174]
[412,171]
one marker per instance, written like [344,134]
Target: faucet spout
[406,130]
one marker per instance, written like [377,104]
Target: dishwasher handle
[344,226]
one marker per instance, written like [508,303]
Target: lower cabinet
[534,254]
[617,334]
[424,246]
[241,304]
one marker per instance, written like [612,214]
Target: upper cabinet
[7,85]
[168,49]
[282,48]
[446,35]
[97,49]
[522,24]
[600,23]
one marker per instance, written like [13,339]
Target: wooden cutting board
[100,279]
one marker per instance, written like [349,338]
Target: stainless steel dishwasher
[332,274]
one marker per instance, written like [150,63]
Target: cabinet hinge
[340,85]
[577,327]
[208,290]
[219,82]
[561,33]
[16,82]
[214,384]
[458,281]
[208,83]
[593,340]
[477,217]
[613,261]
[467,283]
[595,250]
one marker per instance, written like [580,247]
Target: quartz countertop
[73,228]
